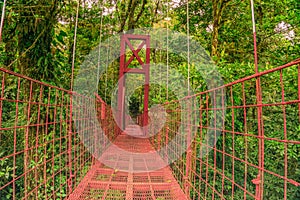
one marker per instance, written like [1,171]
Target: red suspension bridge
[57,163]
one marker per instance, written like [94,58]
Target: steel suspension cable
[254,36]
[107,62]
[188,42]
[70,181]
[160,62]
[167,92]
[100,42]
[106,68]
[260,176]
[160,67]
[2,19]
[189,110]
[99,54]
[74,44]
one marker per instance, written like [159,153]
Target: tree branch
[125,16]
[141,11]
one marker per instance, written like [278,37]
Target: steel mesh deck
[106,182]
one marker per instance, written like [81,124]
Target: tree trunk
[218,8]
[129,15]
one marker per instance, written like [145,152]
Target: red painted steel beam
[125,69]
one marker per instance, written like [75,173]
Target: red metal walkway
[131,177]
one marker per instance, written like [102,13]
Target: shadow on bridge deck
[129,175]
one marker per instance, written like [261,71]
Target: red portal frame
[124,68]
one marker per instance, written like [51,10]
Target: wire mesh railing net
[254,154]
[41,153]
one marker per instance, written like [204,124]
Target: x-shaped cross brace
[135,53]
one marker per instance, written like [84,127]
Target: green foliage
[234,32]
[38,42]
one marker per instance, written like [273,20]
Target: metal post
[121,83]
[70,180]
[124,69]
[260,130]
[147,80]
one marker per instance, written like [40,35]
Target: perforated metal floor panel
[128,177]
